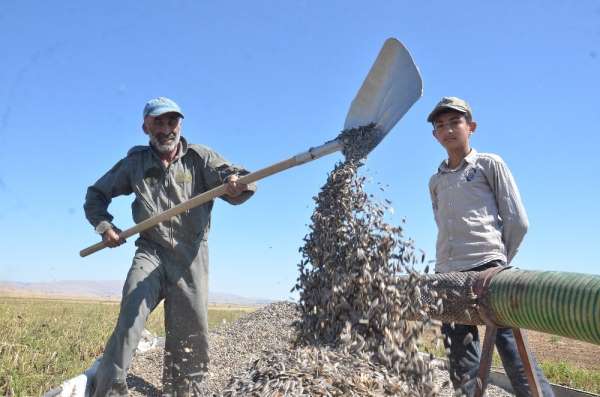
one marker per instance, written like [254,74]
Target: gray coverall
[171,262]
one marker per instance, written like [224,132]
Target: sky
[260,81]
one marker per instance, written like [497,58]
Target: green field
[46,341]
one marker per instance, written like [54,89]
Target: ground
[558,348]
[554,348]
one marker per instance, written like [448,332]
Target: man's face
[452,130]
[164,131]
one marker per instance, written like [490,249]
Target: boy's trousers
[464,360]
[180,277]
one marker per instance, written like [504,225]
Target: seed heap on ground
[241,351]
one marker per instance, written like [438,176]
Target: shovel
[392,86]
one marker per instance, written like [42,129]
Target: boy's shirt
[478,211]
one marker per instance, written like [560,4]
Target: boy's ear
[473,126]
[144,128]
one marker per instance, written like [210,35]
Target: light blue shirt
[478,211]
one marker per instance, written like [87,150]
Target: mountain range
[102,290]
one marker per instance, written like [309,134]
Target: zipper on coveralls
[169,205]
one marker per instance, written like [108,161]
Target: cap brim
[160,111]
[440,109]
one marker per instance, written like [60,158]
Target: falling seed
[468,339]
[355,270]
[354,254]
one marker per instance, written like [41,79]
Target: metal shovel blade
[392,86]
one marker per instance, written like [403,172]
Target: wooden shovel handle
[218,191]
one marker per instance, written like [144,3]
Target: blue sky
[261,81]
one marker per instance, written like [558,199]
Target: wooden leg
[485,363]
[534,384]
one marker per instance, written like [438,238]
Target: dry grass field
[45,341]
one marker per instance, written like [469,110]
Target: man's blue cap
[161,105]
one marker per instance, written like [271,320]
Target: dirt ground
[554,348]
[558,348]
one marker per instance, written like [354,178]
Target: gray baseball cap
[161,105]
[450,103]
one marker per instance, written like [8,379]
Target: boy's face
[452,130]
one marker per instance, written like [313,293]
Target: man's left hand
[233,188]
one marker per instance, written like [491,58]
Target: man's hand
[111,238]
[233,188]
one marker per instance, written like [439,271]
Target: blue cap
[161,105]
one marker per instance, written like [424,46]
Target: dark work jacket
[157,188]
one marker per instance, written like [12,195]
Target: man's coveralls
[171,261]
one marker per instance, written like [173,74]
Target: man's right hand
[111,238]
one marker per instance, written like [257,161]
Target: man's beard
[167,146]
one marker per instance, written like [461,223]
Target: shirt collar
[183,148]
[469,159]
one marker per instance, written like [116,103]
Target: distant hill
[102,290]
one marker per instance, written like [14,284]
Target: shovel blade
[392,86]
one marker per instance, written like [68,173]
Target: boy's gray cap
[450,103]
[161,105]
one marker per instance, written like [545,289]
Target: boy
[481,223]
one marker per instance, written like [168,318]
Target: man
[171,260]
[481,223]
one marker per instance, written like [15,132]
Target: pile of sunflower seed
[233,347]
[315,371]
[357,284]
[258,352]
